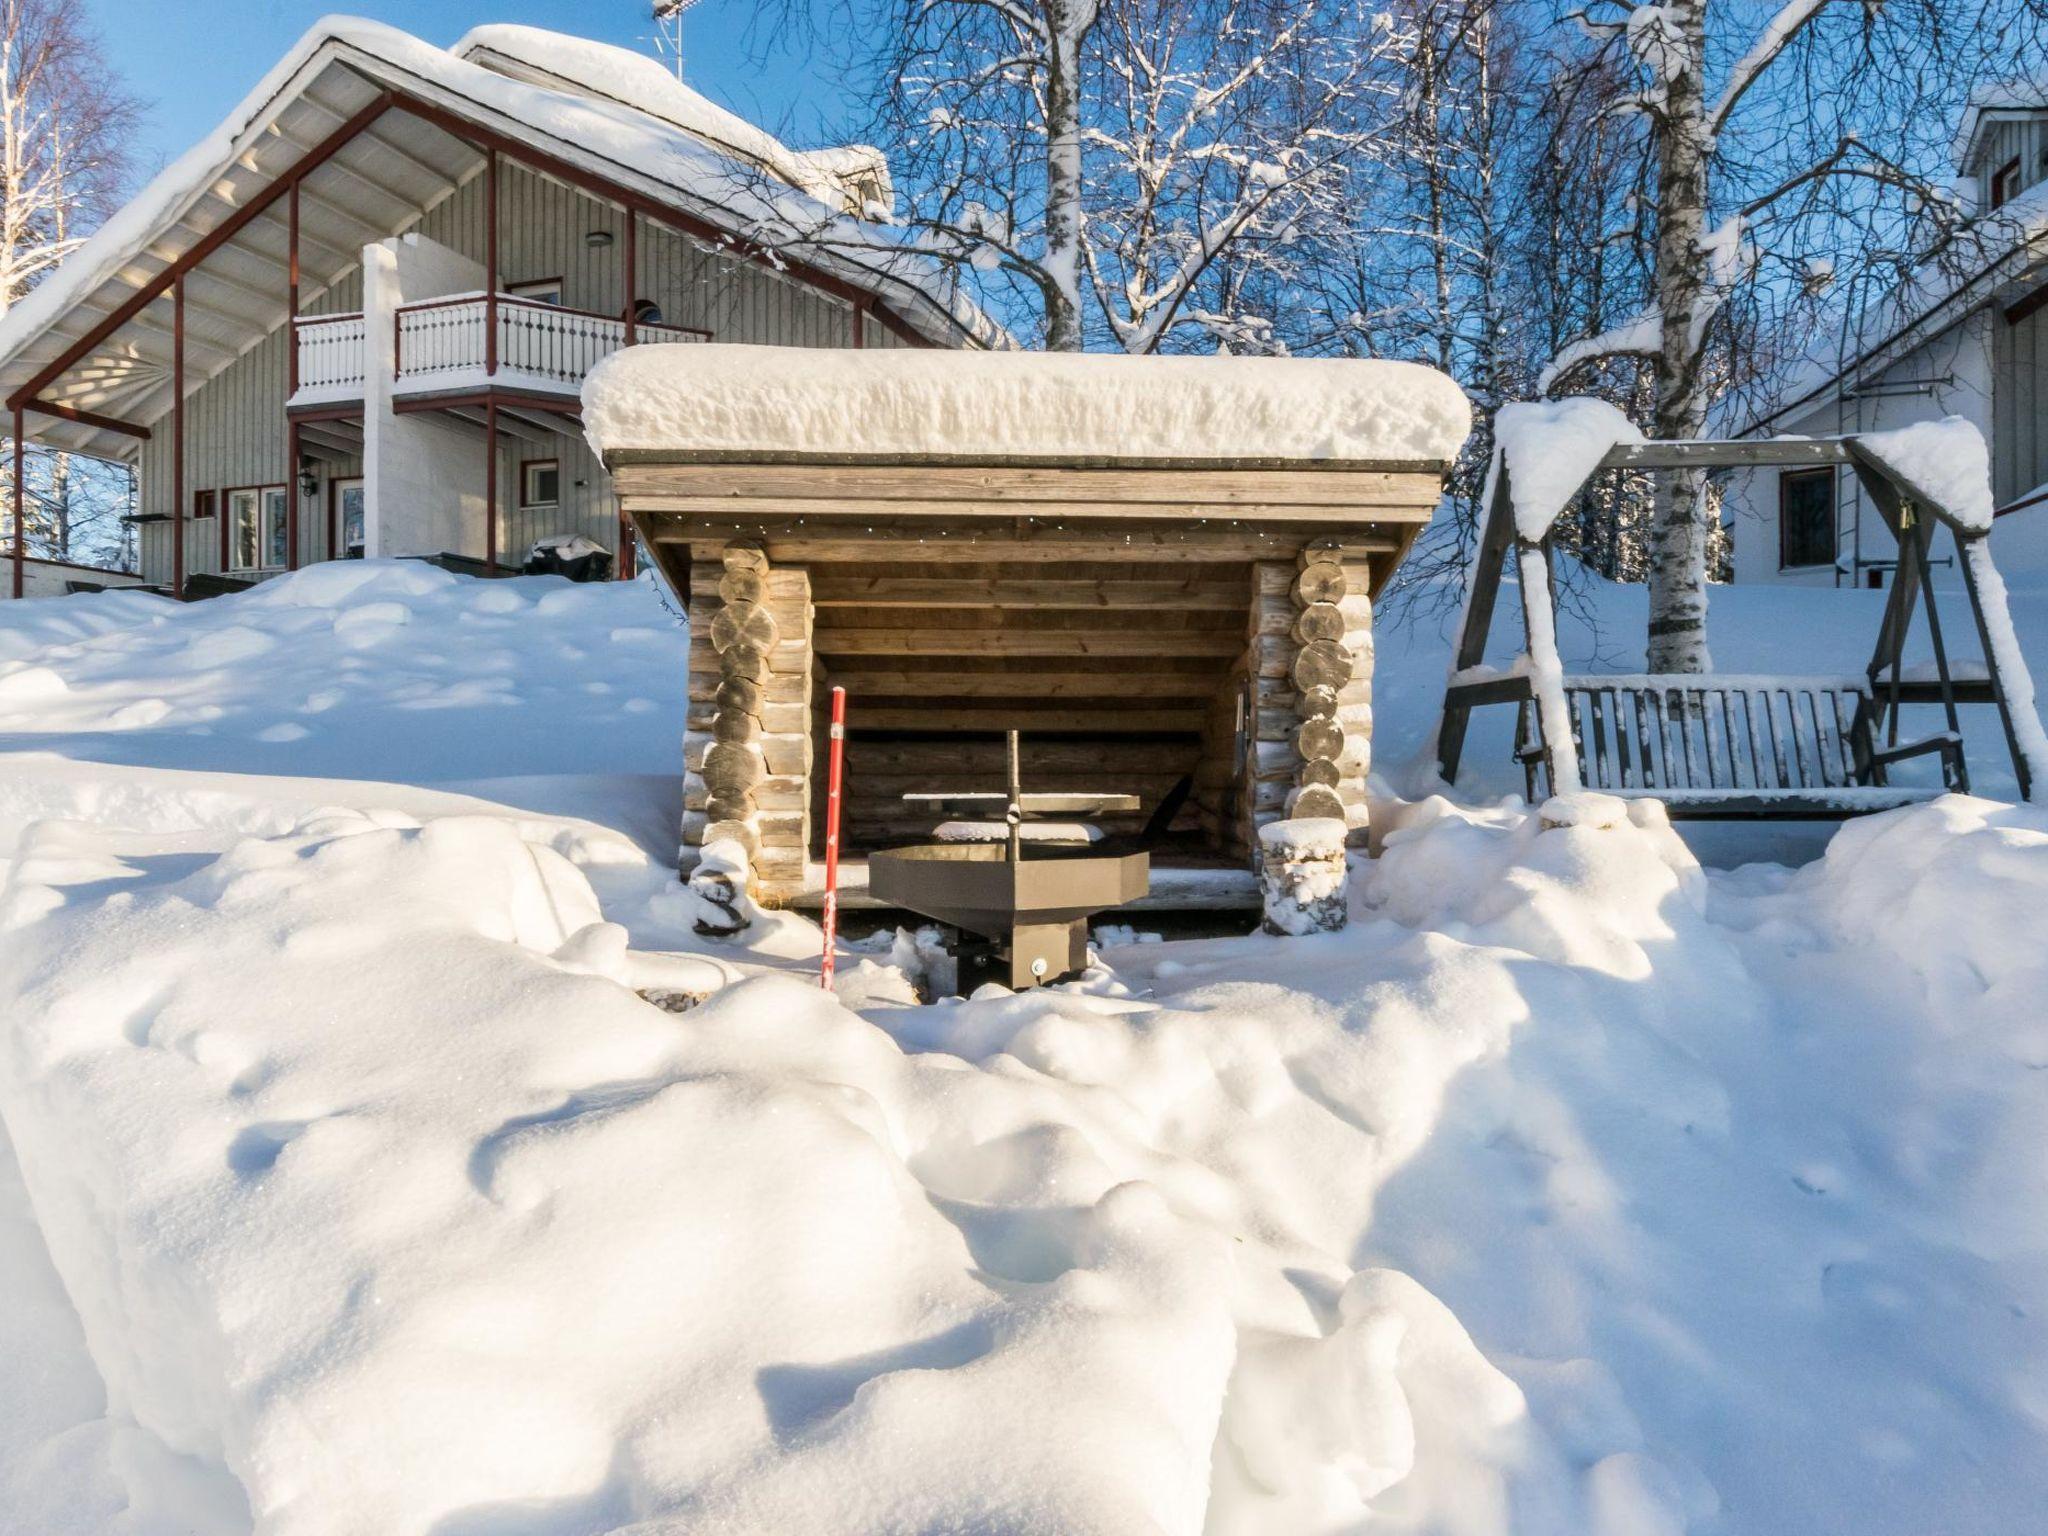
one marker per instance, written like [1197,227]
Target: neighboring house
[1967,338]
[355,319]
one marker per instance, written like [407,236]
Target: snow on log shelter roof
[367,125]
[1159,570]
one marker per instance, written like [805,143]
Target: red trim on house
[291,492]
[492,279]
[88,419]
[491,485]
[233,225]
[558,405]
[178,437]
[631,264]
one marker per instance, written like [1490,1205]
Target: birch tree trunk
[1066,22]
[1678,529]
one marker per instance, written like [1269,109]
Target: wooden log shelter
[978,543]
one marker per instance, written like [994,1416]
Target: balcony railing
[330,356]
[444,344]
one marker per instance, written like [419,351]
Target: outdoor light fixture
[309,479]
[598,239]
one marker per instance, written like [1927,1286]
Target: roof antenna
[668,23]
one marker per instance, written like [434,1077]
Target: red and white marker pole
[837,772]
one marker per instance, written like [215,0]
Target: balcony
[443,348]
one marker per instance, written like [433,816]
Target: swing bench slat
[1752,747]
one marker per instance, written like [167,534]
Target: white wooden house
[356,318]
[1967,337]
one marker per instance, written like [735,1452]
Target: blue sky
[194,59]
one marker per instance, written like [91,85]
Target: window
[540,483]
[542,290]
[1806,517]
[202,504]
[348,504]
[257,534]
[2005,182]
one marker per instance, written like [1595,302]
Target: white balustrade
[331,354]
[543,344]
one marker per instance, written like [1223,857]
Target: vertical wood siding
[235,424]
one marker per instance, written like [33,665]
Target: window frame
[527,467]
[545,286]
[1787,480]
[264,532]
[2002,189]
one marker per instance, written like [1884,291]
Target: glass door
[348,506]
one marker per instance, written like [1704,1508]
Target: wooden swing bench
[1801,748]
[1735,747]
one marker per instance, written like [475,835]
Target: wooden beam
[830,589]
[1175,486]
[855,507]
[226,231]
[815,542]
[1135,641]
[892,681]
[1040,720]
[1742,454]
[88,418]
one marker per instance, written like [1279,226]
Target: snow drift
[1571,1189]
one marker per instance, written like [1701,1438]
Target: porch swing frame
[1839,767]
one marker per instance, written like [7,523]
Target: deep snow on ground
[1572,1189]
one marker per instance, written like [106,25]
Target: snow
[746,399]
[1572,1188]
[646,85]
[1945,461]
[1550,448]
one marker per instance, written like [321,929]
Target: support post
[1332,676]
[631,264]
[860,324]
[19,558]
[491,275]
[293,499]
[1966,553]
[291,324]
[1488,562]
[834,775]
[744,633]
[491,487]
[178,438]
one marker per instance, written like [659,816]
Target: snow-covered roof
[1993,101]
[739,400]
[847,177]
[680,156]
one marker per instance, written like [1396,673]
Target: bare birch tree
[66,124]
[1135,173]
